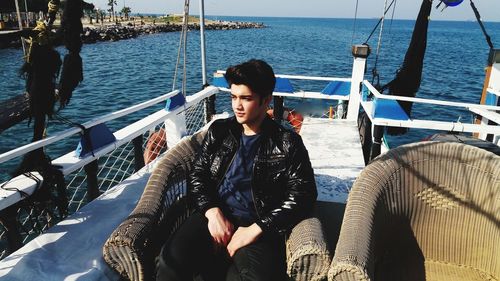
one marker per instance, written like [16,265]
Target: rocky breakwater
[92,34]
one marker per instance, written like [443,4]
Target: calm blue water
[119,74]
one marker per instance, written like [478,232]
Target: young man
[251,183]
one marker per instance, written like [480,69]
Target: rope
[85,132]
[392,16]
[374,70]
[183,48]
[380,35]
[378,23]
[53,8]
[42,38]
[478,17]
[22,193]
[185,27]
[354,24]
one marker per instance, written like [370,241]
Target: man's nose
[238,103]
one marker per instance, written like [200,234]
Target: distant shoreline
[116,31]
[96,33]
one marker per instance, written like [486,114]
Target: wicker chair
[133,246]
[425,211]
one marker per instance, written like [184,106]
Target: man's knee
[251,263]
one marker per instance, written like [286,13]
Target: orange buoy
[292,116]
[296,119]
[156,142]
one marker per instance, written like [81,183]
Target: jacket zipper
[252,184]
[225,172]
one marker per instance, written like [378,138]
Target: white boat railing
[113,162]
[483,110]
[69,132]
[301,93]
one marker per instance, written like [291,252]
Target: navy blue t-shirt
[236,192]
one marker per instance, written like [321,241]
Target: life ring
[156,142]
[292,116]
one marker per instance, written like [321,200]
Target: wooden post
[278,109]
[138,153]
[92,184]
[209,108]
[494,57]
[26,11]
[378,133]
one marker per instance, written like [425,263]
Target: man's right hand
[219,227]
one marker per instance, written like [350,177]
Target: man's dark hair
[255,74]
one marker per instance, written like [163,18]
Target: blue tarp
[220,82]
[389,109]
[340,88]
[282,84]
[491,99]
[99,136]
[174,102]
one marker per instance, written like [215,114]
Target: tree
[126,11]
[111,4]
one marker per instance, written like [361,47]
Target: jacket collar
[268,127]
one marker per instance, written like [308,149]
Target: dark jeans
[190,252]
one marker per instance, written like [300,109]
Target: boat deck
[336,156]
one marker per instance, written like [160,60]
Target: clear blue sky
[405,9]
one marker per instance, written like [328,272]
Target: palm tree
[126,11]
[112,4]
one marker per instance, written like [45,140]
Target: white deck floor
[336,156]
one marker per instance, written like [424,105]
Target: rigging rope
[185,27]
[374,69]
[378,23]
[392,16]
[478,17]
[183,48]
[354,24]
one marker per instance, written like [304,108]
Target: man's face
[247,105]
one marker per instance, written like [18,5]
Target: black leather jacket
[283,185]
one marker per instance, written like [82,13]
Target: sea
[123,73]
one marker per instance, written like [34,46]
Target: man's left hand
[242,237]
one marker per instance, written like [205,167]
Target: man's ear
[268,99]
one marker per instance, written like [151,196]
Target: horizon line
[321,17]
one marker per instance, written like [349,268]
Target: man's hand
[242,237]
[219,227]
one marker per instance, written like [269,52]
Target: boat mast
[202,42]
[26,9]
[18,15]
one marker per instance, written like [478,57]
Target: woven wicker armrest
[131,248]
[308,257]
[353,252]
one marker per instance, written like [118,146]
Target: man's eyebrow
[242,95]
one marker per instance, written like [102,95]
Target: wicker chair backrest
[447,195]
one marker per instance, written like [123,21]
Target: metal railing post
[360,53]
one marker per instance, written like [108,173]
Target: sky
[405,9]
